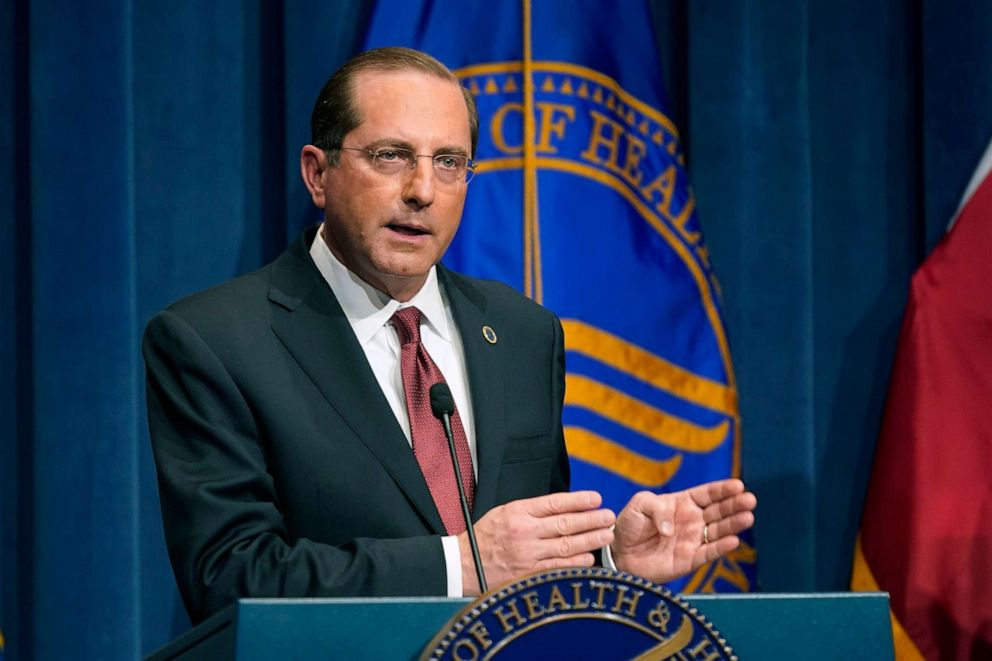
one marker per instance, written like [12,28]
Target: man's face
[391,229]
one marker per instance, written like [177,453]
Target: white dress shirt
[369,312]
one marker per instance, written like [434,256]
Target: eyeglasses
[390,161]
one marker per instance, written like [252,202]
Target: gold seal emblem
[489,334]
[578,613]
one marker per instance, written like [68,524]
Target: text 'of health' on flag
[925,533]
[581,201]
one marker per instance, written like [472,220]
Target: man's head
[387,224]
[335,114]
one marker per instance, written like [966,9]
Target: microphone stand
[443,410]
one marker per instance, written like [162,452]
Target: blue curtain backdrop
[149,149]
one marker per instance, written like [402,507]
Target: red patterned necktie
[430,445]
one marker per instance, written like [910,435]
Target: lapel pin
[489,334]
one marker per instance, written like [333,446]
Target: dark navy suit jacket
[282,470]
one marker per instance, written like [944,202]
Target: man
[295,457]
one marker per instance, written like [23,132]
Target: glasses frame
[374,154]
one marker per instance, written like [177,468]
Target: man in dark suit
[293,452]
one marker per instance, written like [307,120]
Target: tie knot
[407,322]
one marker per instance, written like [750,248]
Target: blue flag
[581,201]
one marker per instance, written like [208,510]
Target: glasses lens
[392,161]
[450,168]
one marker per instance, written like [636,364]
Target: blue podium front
[757,626]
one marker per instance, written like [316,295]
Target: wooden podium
[765,627]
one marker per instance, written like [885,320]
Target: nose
[419,188]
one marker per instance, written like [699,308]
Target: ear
[313,165]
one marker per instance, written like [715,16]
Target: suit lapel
[318,335]
[483,361]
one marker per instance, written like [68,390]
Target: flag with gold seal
[581,201]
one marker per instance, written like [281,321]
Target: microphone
[443,406]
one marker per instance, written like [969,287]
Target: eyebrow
[386,143]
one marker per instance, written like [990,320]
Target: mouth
[407,229]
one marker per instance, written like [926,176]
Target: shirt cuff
[607,557]
[453,565]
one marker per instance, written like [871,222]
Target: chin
[407,268]
[408,274]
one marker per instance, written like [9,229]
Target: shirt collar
[369,309]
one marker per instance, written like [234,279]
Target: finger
[729,526]
[660,509]
[715,549]
[561,503]
[712,492]
[742,502]
[560,525]
[569,545]
[579,560]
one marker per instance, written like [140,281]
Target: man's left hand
[661,536]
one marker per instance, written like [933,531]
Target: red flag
[926,532]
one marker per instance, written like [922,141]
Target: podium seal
[580,613]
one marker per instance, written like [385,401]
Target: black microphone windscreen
[441,400]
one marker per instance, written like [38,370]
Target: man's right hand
[547,532]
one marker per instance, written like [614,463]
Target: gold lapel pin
[489,334]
